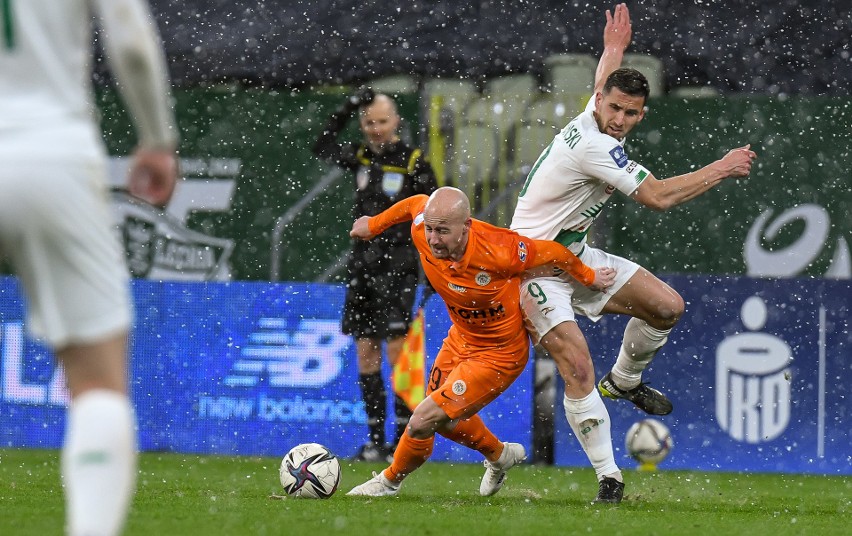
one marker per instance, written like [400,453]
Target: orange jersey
[481,291]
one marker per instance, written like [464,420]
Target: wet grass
[210,495]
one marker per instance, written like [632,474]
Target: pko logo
[31,377]
[281,356]
[753,380]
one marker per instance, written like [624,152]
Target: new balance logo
[282,355]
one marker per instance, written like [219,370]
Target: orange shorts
[462,382]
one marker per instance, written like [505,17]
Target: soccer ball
[311,471]
[649,442]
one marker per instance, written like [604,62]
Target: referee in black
[383,272]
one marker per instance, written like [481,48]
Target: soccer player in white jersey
[55,226]
[566,189]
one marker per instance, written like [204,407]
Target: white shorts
[548,301]
[56,229]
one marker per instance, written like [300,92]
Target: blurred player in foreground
[475,267]
[565,191]
[55,224]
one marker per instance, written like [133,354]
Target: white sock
[589,419]
[99,463]
[638,348]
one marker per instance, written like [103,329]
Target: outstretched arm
[550,252]
[367,227]
[665,194]
[617,35]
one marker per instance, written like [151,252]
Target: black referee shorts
[380,293]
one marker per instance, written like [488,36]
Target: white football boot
[378,486]
[495,472]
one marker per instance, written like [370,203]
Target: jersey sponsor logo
[418,219]
[641,176]
[362,178]
[482,279]
[486,315]
[522,251]
[392,183]
[618,156]
[459,387]
[547,310]
[631,167]
[457,288]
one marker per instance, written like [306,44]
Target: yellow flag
[409,373]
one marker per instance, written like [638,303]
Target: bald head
[381,102]
[447,204]
[379,122]
[446,219]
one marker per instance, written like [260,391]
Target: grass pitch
[211,495]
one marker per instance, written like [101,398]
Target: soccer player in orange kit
[476,268]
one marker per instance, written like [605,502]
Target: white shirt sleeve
[607,160]
[135,55]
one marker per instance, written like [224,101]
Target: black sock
[375,401]
[403,414]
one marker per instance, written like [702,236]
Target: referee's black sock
[375,401]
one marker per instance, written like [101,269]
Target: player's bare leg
[584,409]
[99,453]
[655,308]
[414,448]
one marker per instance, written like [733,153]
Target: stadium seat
[442,101]
[455,92]
[694,92]
[651,67]
[400,84]
[535,130]
[570,73]
[474,160]
[513,84]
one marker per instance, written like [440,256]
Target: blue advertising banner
[229,368]
[756,370]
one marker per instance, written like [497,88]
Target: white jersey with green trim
[572,180]
[46,106]
[45,73]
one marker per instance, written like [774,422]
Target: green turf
[209,495]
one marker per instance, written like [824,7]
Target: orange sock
[473,434]
[409,455]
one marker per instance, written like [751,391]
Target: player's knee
[426,420]
[573,362]
[670,313]
[420,428]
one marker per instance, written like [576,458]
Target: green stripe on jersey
[566,237]
[8,27]
[535,167]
